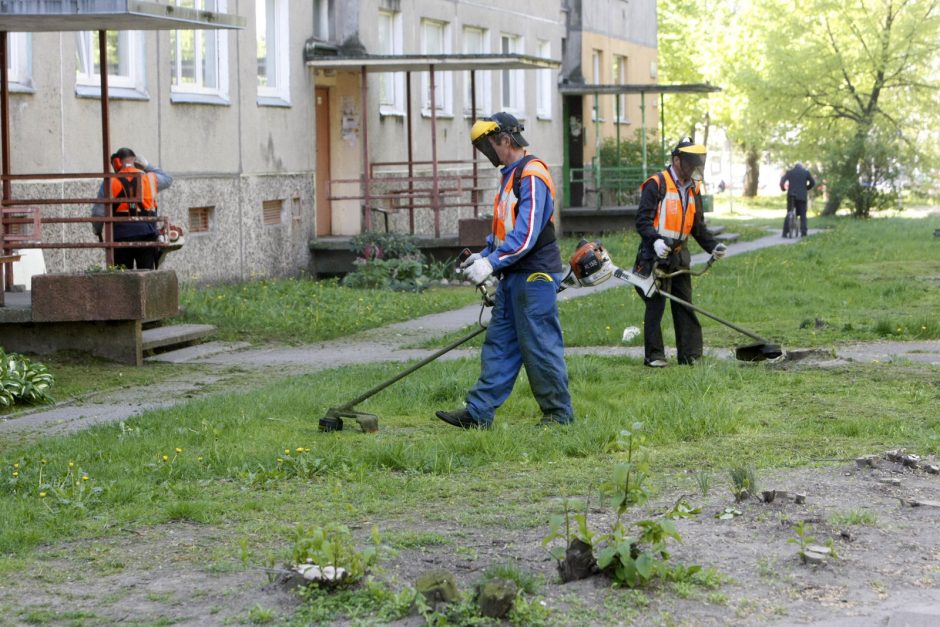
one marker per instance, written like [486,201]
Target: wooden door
[324,209]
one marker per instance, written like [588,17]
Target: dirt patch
[162,574]
[888,562]
[889,565]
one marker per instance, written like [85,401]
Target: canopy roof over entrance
[439,62]
[80,15]
[579,89]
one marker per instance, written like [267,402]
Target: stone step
[196,352]
[727,237]
[175,335]
[717,229]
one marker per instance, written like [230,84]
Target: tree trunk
[833,200]
[752,173]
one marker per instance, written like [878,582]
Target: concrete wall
[232,156]
[632,21]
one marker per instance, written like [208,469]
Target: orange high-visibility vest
[126,187]
[505,205]
[672,219]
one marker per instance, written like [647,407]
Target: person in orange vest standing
[670,210]
[522,251]
[150,181]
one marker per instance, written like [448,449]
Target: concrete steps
[196,352]
[175,336]
[727,238]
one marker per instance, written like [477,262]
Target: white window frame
[197,92]
[597,63]
[20,62]
[277,27]
[512,82]
[543,84]
[130,83]
[443,81]
[392,84]
[484,81]
[620,69]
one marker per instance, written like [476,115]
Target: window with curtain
[475,42]
[619,70]
[199,59]
[125,58]
[544,87]
[512,82]
[392,85]
[273,46]
[435,39]
[20,61]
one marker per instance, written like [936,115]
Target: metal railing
[609,185]
[393,186]
[21,219]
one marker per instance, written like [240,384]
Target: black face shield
[691,158]
[493,126]
[480,136]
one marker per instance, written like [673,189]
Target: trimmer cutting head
[333,420]
[759,351]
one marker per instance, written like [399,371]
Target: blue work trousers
[524,330]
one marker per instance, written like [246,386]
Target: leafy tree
[853,84]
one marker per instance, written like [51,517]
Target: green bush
[22,381]
[405,273]
[372,245]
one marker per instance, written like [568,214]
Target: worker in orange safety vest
[670,211]
[142,181]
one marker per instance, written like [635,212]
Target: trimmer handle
[463,256]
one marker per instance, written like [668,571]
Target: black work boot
[459,418]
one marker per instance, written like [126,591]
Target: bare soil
[885,573]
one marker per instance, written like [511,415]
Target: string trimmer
[369,423]
[591,265]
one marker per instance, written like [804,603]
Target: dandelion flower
[280,461]
[199,459]
[306,450]
[300,449]
[287,451]
[16,465]
[178,450]
[42,495]
[71,464]
[84,477]
[166,458]
[16,474]
[43,461]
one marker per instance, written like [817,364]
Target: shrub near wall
[22,381]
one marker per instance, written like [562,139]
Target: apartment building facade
[257,136]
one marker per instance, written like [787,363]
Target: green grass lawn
[237,456]
[250,465]
[303,310]
[864,280]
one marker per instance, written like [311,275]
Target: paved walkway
[386,344]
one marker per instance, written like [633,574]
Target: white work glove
[480,269]
[661,249]
[141,162]
[469,261]
[719,251]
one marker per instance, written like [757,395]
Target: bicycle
[791,223]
